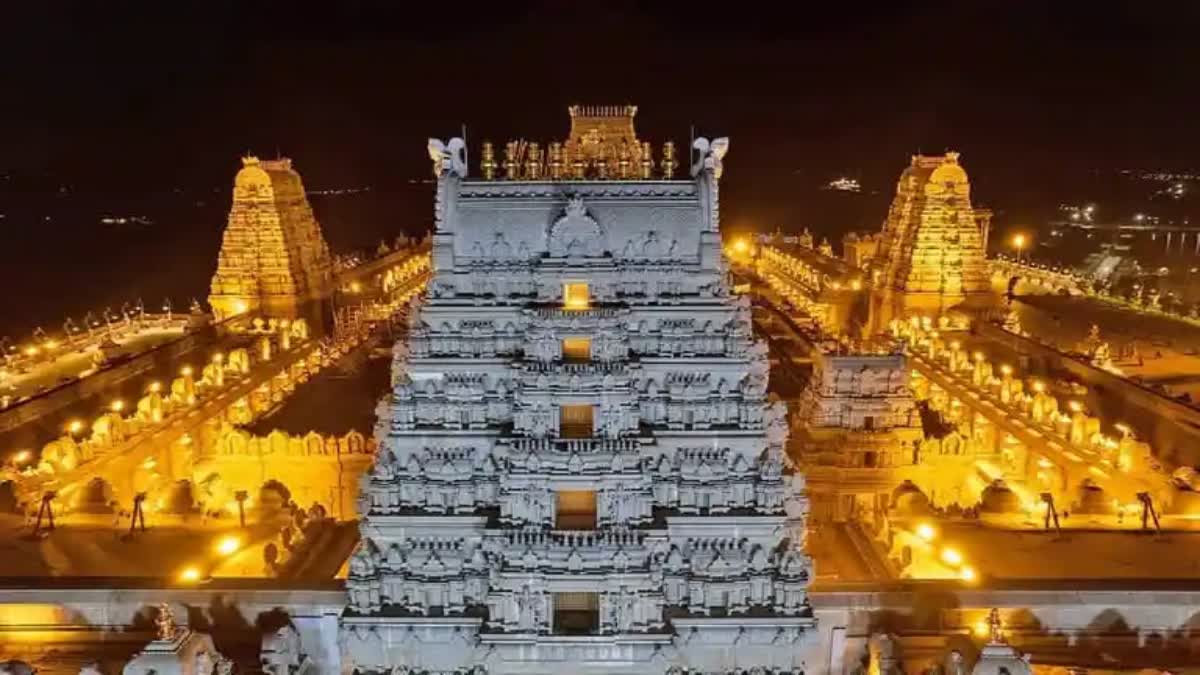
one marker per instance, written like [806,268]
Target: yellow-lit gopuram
[931,248]
[607,441]
[273,255]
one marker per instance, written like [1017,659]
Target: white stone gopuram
[581,471]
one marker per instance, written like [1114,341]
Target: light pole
[1018,242]
[241,496]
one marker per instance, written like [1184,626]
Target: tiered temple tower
[862,432]
[580,470]
[273,256]
[933,240]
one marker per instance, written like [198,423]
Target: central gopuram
[579,467]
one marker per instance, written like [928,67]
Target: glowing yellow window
[575,421]
[576,296]
[577,349]
[575,510]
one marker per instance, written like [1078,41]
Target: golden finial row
[528,161]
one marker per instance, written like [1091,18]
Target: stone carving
[576,233]
[448,157]
[710,155]
[165,622]
[280,652]
[530,447]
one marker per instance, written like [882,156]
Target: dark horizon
[172,96]
[124,105]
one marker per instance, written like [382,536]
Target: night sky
[129,103]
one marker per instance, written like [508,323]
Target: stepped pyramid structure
[933,240]
[579,468]
[273,256]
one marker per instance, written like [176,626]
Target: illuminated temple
[581,468]
[609,442]
[933,241]
[273,255]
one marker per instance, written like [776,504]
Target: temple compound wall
[581,470]
[917,628]
[273,256]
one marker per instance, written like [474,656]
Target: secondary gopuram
[579,467]
[931,254]
[273,256]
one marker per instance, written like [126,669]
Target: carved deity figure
[165,622]
[576,233]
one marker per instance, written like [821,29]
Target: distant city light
[844,184]
[189,574]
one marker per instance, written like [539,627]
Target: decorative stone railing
[575,445]
[42,347]
[570,539]
[589,368]
[1053,279]
[559,314]
[595,381]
